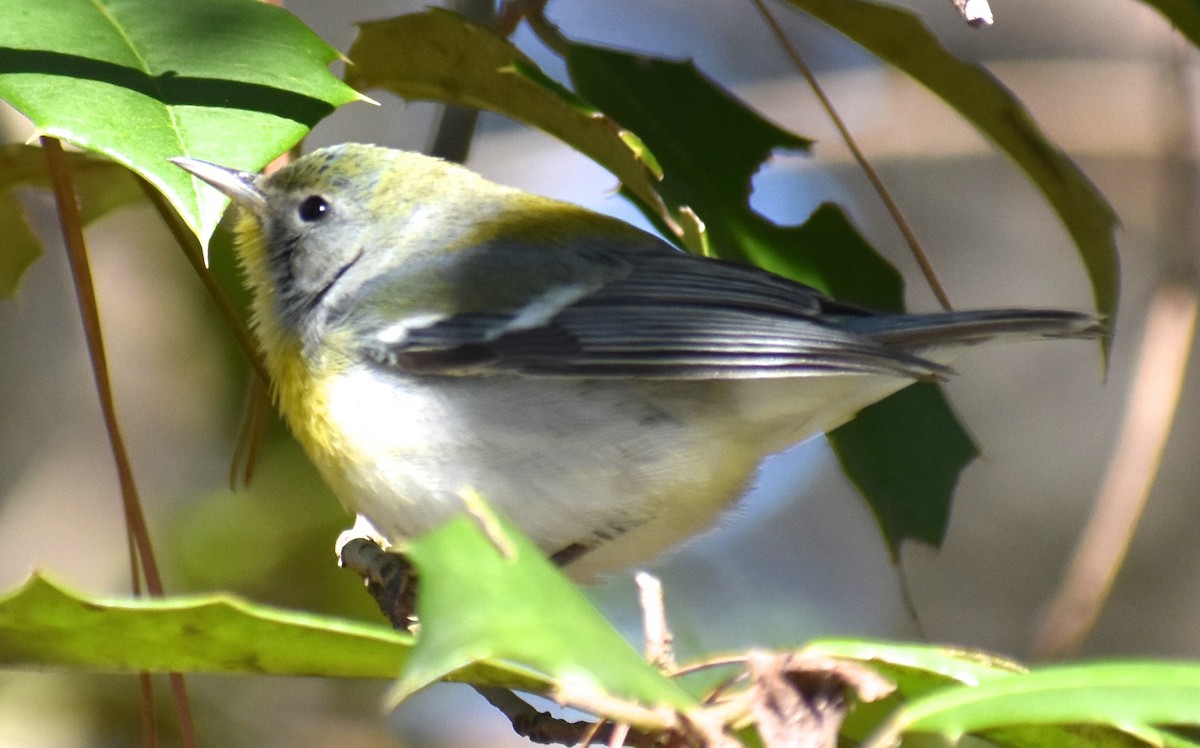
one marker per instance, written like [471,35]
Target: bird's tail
[920,332]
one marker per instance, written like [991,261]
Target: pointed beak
[242,186]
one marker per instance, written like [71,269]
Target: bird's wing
[666,315]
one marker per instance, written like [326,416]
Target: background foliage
[237,82]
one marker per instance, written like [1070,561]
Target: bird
[429,332]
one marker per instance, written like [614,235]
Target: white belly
[627,467]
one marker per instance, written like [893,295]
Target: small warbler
[428,331]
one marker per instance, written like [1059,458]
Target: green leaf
[495,597]
[904,454]
[924,670]
[708,144]
[101,186]
[42,624]
[900,39]
[1110,694]
[858,275]
[439,56]
[917,669]
[231,81]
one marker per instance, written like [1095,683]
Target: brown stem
[873,177]
[142,554]
[546,729]
[392,583]
[534,13]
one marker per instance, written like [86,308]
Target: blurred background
[801,557]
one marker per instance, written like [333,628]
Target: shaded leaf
[905,455]
[439,56]
[21,247]
[100,184]
[232,81]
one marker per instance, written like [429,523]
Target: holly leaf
[485,593]
[231,81]
[440,56]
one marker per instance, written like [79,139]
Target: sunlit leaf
[43,624]
[1107,694]
[478,602]
[921,671]
[231,81]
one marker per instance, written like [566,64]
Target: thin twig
[545,728]
[85,294]
[712,662]
[149,720]
[893,209]
[547,31]
[1153,401]
[910,604]
[720,693]
[252,429]
[183,709]
[534,12]
[145,680]
[620,734]
[589,735]
[455,128]
[81,274]
[659,641]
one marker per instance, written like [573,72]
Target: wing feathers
[676,316]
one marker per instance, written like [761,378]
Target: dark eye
[314,208]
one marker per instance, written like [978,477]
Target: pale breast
[632,466]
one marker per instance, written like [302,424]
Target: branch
[392,582]
[910,237]
[141,557]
